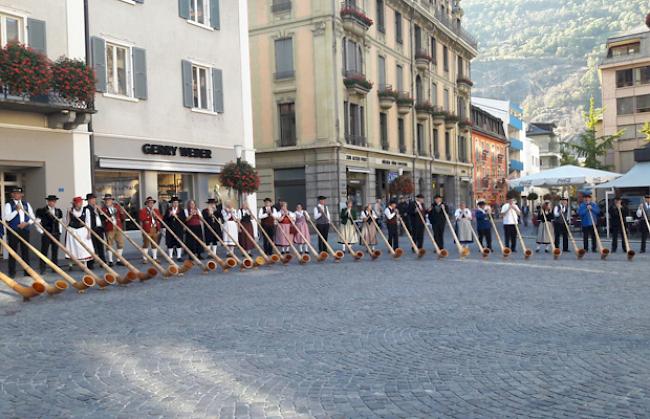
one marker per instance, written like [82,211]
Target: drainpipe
[90,124]
[413,91]
[337,123]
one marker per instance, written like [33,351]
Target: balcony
[516,165]
[451,120]
[281,6]
[354,18]
[404,103]
[456,29]
[439,116]
[465,125]
[423,110]
[516,144]
[422,60]
[358,140]
[356,83]
[387,96]
[464,84]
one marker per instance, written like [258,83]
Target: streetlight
[238,153]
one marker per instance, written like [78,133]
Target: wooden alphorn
[527,252]
[505,251]
[397,253]
[90,279]
[374,254]
[419,252]
[442,253]
[556,251]
[301,260]
[306,258]
[579,252]
[232,260]
[462,250]
[356,255]
[111,277]
[630,252]
[59,286]
[277,256]
[173,268]
[180,242]
[260,260]
[604,252]
[211,264]
[26,292]
[247,261]
[337,255]
[645,217]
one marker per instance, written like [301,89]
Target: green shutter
[215,16]
[98,56]
[217,90]
[184,8]
[139,73]
[186,72]
[36,35]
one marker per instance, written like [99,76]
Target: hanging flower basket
[73,80]
[24,71]
[402,185]
[240,177]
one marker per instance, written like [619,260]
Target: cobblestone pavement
[409,338]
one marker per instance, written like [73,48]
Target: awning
[637,177]
[358,169]
[564,176]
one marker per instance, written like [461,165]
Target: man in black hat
[176,226]
[438,221]
[562,213]
[615,225]
[46,217]
[19,215]
[211,214]
[390,214]
[644,214]
[417,223]
[266,217]
[322,220]
[93,219]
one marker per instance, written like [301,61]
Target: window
[643,75]
[289,185]
[434,94]
[355,131]
[200,90]
[460,66]
[398,27]
[381,70]
[420,139]
[621,50]
[202,87]
[381,20]
[643,103]
[287,115]
[399,74]
[400,135]
[11,29]
[418,38]
[625,105]
[124,186]
[446,100]
[436,146]
[383,130]
[462,149]
[352,57]
[624,78]
[281,6]
[284,58]
[118,70]
[448,144]
[174,184]
[445,58]
[419,92]
[462,108]
[434,50]
[199,11]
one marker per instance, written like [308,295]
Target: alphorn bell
[26,292]
[110,277]
[442,253]
[211,264]
[505,251]
[89,280]
[319,256]
[356,255]
[462,250]
[630,252]
[232,260]
[173,268]
[260,260]
[374,254]
[397,253]
[556,251]
[293,248]
[183,246]
[59,286]
[277,255]
[337,255]
[579,252]
[527,252]
[419,252]
[604,252]
[247,261]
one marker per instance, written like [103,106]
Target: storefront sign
[165,150]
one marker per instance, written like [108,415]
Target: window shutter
[184,8]
[98,55]
[217,90]
[186,73]
[36,35]
[139,73]
[215,18]
[283,55]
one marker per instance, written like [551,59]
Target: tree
[566,156]
[646,126]
[589,146]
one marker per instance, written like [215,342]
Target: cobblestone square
[410,338]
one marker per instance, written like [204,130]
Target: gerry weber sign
[166,150]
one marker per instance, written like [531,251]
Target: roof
[637,177]
[630,33]
[541,128]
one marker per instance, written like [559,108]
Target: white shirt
[280,214]
[639,212]
[228,213]
[372,214]
[510,214]
[301,213]
[319,210]
[266,212]
[98,218]
[559,209]
[388,214]
[10,215]
[460,212]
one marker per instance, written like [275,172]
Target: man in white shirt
[391,215]
[562,213]
[511,213]
[266,217]
[19,215]
[46,218]
[322,220]
[645,219]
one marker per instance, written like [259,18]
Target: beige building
[347,96]
[625,83]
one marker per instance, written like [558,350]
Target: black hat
[267,199]
[17,189]
[90,196]
[419,195]
[617,198]
[564,198]
[437,196]
[107,197]
[587,195]
[647,196]
[480,202]
[392,201]
[321,197]
[51,198]
[174,199]
[211,201]
[149,199]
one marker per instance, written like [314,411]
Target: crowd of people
[92,228]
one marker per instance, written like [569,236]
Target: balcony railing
[516,144]
[281,6]
[358,140]
[456,28]
[350,10]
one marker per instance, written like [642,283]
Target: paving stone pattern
[394,339]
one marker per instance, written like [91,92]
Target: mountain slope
[544,53]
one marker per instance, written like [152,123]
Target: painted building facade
[490,157]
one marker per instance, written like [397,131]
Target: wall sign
[166,150]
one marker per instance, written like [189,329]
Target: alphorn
[301,259]
[442,253]
[604,252]
[173,267]
[89,280]
[462,250]
[232,260]
[260,260]
[419,252]
[171,271]
[277,256]
[110,277]
[374,254]
[247,261]
[397,253]
[579,252]
[136,273]
[645,217]
[180,242]
[337,255]
[319,256]
[505,251]
[485,252]
[57,288]
[527,252]
[355,255]
[556,251]
[211,264]
[630,252]
[26,292]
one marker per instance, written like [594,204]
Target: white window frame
[22,27]
[206,14]
[129,70]
[209,88]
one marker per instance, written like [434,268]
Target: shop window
[175,184]
[289,185]
[124,186]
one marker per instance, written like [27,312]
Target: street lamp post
[238,154]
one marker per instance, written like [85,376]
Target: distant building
[625,85]
[544,136]
[490,157]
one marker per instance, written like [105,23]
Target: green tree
[589,146]
[567,156]
[646,126]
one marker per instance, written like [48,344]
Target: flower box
[404,104]
[387,97]
[439,116]
[450,121]
[354,19]
[422,60]
[357,83]
[423,110]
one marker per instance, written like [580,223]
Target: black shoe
[12,274]
[25,273]
[642,251]
[42,271]
[69,268]
[110,263]
[537,250]
[179,259]
[545,250]
[119,262]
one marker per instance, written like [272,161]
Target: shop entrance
[174,184]
[8,181]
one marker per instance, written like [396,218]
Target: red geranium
[24,71]
[72,79]
[242,178]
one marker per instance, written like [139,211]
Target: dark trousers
[46,246]
[418,235]
[487,235]
[324,230]
[586,233]
[270,231]
[194,245]
[510,232]
[560,230]
[439,234]
[617,232]
[98,246]
[14,243]
[393,235]
[644,237]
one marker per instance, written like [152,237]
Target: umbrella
[637,177]
[564,176]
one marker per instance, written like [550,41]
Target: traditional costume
[348,232]
[544,235]
[114,238]
[211,215]
[483,226]
[322,219]
[47,220]
[283,235]
[93,219]
[464,224]
[643,213]
[193,222]
[561,213]
[78,233]
[438,223]
[231,229]
[584,211]
[149,220]
[18,212]
[246,223]
[301,224]
[368,229]
[510,214]
[417,222]
[267,217]
[390,215]
[176,227]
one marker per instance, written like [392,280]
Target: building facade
[490,157]
[625,86]
[544,136]
[347,96]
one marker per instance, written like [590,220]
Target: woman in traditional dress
[544,232]
[78,233]
[246,223]
[283,236]
[463,217]
[230,227]
[368,230]
[210,215]
[176,227]
[193,222]
[301,224]
[348,233]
